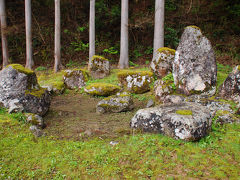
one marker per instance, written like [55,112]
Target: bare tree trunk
[3,33]
[57,50]
[28,19]
[124,56]
[159,26]
[91,31]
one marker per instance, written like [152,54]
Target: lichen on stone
[101,89]
[36,92]
[184,112]
[21,69]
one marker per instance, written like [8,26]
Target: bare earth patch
[73,116]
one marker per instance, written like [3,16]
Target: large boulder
[230,88]
[194,66]
[99,67]
[115,104]
[75,78]
[101,89]
[135,81]
[161,65]
[20,91]
[186,121]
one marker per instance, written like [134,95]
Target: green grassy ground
[136,156]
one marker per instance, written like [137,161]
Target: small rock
[36,131]
[101,89]
[161,65]
[114,143]
[173,99]
[99,67]
[150,103]
[76,78]
[15,106]
[115,104]
[162,89]
[35,119]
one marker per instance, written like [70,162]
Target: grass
[136,156]
[139,156]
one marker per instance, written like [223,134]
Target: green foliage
[133,64]
[170,5]
[149,50]
[41,68]
[169,79]
[80,46]
[137,53]
[111,50]
[171,37]
[71,64]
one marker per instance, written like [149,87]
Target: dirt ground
[73,116]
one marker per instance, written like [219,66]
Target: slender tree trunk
[91,31]
[28,19]
[124,56]
[57,50]
[159,26]
[3,33]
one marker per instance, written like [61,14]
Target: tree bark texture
[124,56]
[57,47]
[91,31]
[28,19]
[158,41]
[3,33]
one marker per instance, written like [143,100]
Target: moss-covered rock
[20,91]
[99,67]
[135,81]
[101,89]
[53,82]
[34,119]
[75,78]
[161,65]
[118,103]
[184,112]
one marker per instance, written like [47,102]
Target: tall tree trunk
[159,26]
[28,19]
[124,56]
[91,31]
[3,33]
[57,49]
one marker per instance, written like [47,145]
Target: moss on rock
[125,73]
[36,92]
[21,69]
[193,26]
[102,89]
[184,112]
[166,49]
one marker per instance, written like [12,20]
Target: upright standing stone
[194,66]
[230,88]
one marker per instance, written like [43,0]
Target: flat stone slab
[186,121]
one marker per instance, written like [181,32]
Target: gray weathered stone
[150,103]
[194,66]
[19,90]
[99,67]
[118,103]
[34,119]
[162,89]
[135,81]
[161,65]
[36,131]
[187,121]
[75,78]
[230,89]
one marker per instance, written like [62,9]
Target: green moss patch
[96,57]
[195,27]
[36,92]
[21,69]
[184,112]
[167,50]
[124,73]
[102,89]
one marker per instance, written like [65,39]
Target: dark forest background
[219,21]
